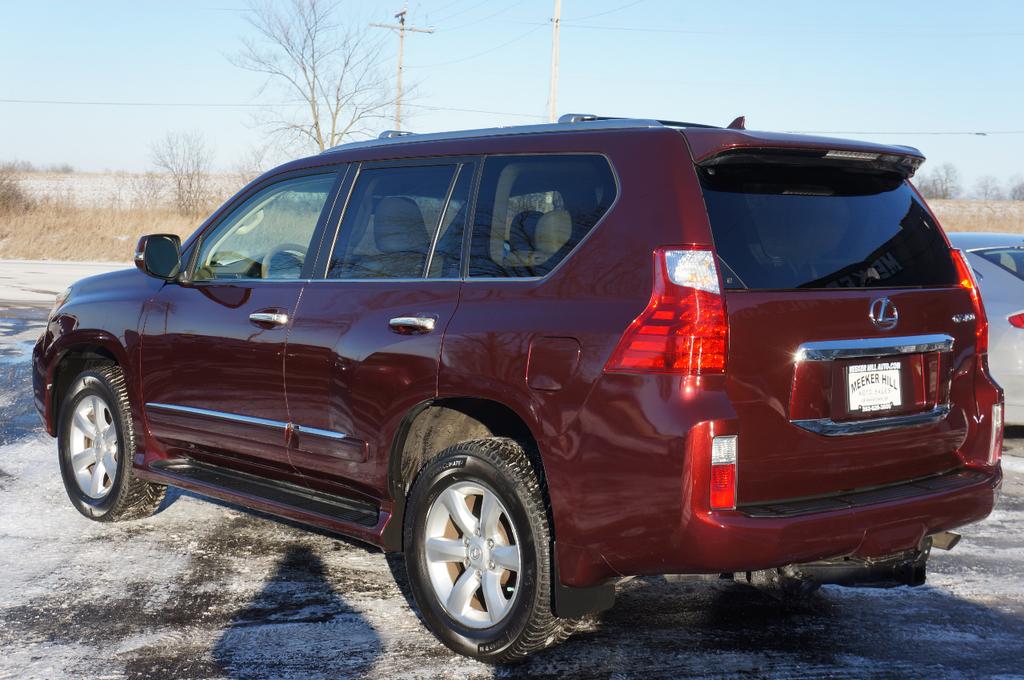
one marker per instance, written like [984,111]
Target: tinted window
[533,210]
[1010,259]
[447,258]
[268,236]
[390,222]
[787,227]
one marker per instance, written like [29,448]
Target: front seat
[400,234]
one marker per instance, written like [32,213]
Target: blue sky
[867,66]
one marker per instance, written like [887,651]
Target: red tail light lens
[965,278]
[683,330]
[723,472]
[1017,320]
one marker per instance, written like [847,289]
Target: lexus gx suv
[539,359]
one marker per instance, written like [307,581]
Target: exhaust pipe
[946,540]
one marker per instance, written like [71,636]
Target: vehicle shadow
[721,629]
[298,626]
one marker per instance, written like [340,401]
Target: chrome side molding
[832,428]
[829,350]
[248,420]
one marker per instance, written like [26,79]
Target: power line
[610,11]
[401,28]
[483,19]
[67,102]
[480,54]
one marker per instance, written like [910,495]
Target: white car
[998,263]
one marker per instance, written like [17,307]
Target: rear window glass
[533,210]
[1010,259]
[786,227]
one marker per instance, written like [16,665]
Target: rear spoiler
[904,165]
[711,147]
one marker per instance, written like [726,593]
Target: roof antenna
[740,123]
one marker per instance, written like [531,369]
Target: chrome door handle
[412,325]
[269,318]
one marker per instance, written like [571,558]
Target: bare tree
[1016,189]
[987,188]
[13,196]
[331,73]
[185,157]
[941,182]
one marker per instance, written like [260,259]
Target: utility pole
[401,28]
[553,95]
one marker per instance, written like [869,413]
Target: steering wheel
[293,250]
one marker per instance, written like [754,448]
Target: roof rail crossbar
[391,134]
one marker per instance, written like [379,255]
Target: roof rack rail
[391,134]
[570,118]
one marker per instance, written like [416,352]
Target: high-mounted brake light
[683,330]
[1017,320]
[965,279]
[723,472]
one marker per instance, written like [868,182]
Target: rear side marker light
[1017,320]
[996,446]
[723,472]
[965,279]
[683,329]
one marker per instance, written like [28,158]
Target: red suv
[540,359]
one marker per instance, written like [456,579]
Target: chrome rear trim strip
[829,350]
[221,415]
[832,428]
[317,432]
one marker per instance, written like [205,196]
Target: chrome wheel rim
[95,448]
[472,554]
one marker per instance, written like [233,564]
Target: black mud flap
[575,603]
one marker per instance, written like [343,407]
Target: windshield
[1010,259]
[787,226]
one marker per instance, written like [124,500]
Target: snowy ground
[38,281]
[207,590]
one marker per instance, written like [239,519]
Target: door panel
[365,344]
[213,346]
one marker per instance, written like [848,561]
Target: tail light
[1017,320]
[723,472]
[996,445]
[965,279]
[683,330]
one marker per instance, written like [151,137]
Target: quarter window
[268,236]
[390,222]
[533,210]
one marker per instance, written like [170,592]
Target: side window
[390,222]
[445,263]
[1010,259]
[268,236]
[533,210]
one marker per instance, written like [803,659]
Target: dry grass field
[100,216]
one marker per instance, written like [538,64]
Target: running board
[285,493]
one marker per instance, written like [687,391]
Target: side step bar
[345,509]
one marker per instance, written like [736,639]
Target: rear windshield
[1010,259]
[783,227]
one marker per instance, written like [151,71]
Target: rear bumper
[736,541]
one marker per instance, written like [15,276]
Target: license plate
[874,387]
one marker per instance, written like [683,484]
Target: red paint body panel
[626,457]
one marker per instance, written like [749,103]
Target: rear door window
[533,210]
[1010,259]
[390,222]
[785,227]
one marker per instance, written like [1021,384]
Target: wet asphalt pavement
[208,590]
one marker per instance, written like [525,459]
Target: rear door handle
[269,318]
[412,325]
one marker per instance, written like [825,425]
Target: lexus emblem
[883,314]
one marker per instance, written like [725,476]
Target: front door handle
[412,325]
[269,318]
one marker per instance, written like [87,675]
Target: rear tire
[96,449]
[480,572]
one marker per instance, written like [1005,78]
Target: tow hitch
[906,568]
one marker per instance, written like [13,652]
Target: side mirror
[159,255]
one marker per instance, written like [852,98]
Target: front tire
[477,551]
[96,447]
